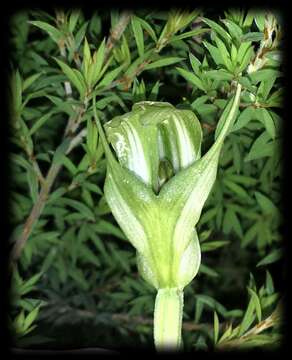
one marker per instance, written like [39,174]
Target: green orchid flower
[156,186]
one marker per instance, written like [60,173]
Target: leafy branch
[116,32]
[252,335]
[66,146]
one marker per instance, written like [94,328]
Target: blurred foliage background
[74,281]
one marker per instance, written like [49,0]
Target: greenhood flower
[156,187]
[155,142]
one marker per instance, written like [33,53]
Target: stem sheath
[168,319]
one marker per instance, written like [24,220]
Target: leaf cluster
[76,263]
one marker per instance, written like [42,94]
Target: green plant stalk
[168,313]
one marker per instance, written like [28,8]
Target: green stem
[168,319]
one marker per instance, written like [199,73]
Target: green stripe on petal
[153,132]
[135,146]
[189,136]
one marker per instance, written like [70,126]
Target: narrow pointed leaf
[71,76]
[163,62]
[138,34]
[194,79]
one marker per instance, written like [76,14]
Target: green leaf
[204,269]
[260,20]
[110,76]
[135,64]
[261,147]
[86,55]
[257,304]
[207,216]
[31,317]
[224,54]
[80,35]
[269,283]
[69,165]
[231,222]
[19,160]
[264,75]
[78,276]
[248,317]
[245,61]
[121,257]
[163,62]
[237,189]
[227,334]
[138,34]
[29,285]
[83,209]
[105,227]
[264,116]
[126,55]
[220,74]
[16,89]
[204,235]
[233,54]
[61,106]
[272,257]
[252,36]
[98,59]
[54,33]
[73,19]
[242,179]
[41,121]
[212,303]
[218,29]
[60,151]
[213,245]
[216,328]
[49,259]
[243,48]
[92,187]
[250,234]
[266,204]
[187,34]
[154,91]
[198,310]
[72,77]
[88,256]
[215,53]
[56,194]
[18,322]
[91,137]
[234,30]
[246,83]
[99,245]
[80,77]
[196,65]
[33,184]
[30,80]
[249,19]
[147,27]
[191,78]
[244,118]
[276,98]
[265,88]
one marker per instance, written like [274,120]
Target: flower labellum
[156,186]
